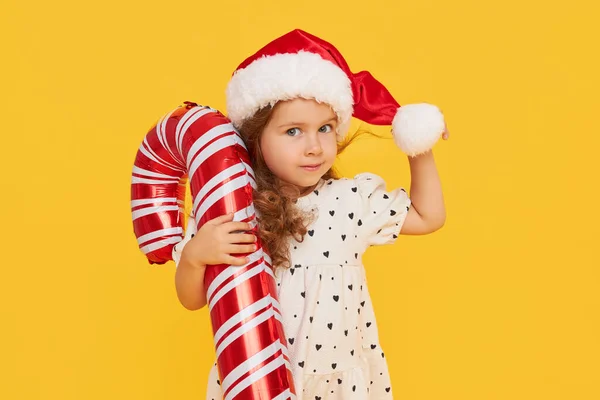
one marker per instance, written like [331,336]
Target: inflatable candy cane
[200,144]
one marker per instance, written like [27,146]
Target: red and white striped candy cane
[200,144]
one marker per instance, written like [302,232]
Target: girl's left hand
[446,133]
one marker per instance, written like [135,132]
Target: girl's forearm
[426,189]
[189,283]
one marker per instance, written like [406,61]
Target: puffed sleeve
[189,232]
[383,212]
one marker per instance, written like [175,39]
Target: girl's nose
[314,145]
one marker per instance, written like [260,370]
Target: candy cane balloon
[200,144]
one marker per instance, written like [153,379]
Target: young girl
[292,102]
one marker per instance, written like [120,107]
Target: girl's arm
[189,283]
[214,243]
[427,212]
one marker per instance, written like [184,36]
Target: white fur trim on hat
[417,127]
[270,79]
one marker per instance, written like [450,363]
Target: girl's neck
[297,191]
[306,191]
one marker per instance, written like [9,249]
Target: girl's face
[299,142]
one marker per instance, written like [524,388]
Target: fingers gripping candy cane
[200,144]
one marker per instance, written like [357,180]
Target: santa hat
[299,64]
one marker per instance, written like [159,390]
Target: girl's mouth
[312,167]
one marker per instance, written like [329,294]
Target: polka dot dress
[326,307]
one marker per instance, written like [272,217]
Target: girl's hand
[446,133]
[215,242]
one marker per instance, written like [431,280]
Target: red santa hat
[299,64]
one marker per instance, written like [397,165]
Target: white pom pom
[417,127]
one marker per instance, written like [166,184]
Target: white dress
[326,307]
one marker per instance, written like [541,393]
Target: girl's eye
[325,128]
[293,131]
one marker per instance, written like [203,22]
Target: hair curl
[274,199]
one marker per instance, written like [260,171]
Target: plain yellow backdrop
[502,303]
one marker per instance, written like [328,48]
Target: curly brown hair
[274,199]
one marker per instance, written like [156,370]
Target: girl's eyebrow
[303,124]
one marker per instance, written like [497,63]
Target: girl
[292,102]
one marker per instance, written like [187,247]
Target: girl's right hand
[215,243]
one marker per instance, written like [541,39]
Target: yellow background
[502,303]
